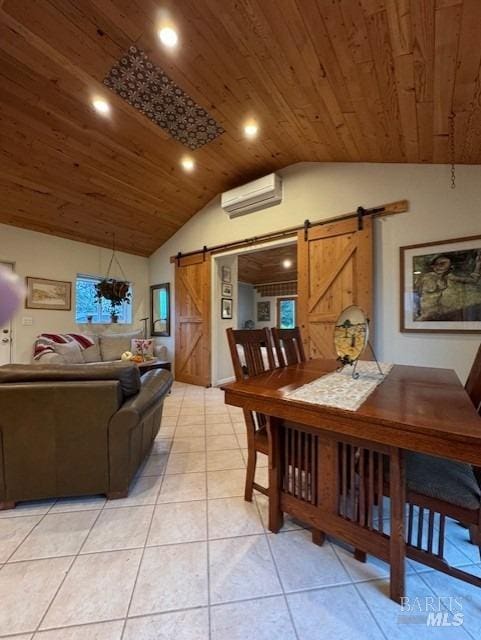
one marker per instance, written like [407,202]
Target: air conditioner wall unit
[253,196]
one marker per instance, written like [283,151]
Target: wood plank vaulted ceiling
[265,266]
[327,80]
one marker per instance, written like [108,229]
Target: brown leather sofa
[70,430]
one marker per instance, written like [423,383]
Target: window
[87,305]
[286,313]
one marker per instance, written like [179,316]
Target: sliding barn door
[192,319]
[334,271]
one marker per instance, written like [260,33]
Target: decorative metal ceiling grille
[146,87]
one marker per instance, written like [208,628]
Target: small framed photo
[226,309]
[226,290]
[264,311]
[441,286]
[226,274]
[54,295]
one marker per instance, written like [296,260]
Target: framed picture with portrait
[441,286]
[226,309]
[226,290]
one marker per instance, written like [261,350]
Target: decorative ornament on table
[12,292]
[144,349]
[351,337]
[127,355]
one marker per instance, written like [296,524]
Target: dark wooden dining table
[329,467]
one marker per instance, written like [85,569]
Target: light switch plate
[27,321]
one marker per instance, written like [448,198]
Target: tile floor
[185,558]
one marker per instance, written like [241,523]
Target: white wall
[222,364]
[245,303]
[40,255]
[316,191]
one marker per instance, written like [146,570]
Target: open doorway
[267,288]
[252,288]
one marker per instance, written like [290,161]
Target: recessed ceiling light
[251,129]
[101,106]
[168,36]
[187,163]
[287,264]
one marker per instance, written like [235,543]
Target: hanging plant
[115,291]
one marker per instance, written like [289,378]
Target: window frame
[279,301]
[126,309]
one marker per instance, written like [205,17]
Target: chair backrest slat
[256,345]
[288,345]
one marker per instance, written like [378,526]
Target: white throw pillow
[139,347]
[70,352]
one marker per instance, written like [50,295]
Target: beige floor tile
[304,565]
[233,517]
[143,491]
[187,412]
[262,475]
[220,429]
[221,443]
[390,616]
[217,418]
[262,460]
[168,421]
[154,465]
[263,504]
[12,533]
[178,625]
[187,421]
[219,460]
[162,446]
[171,577]
[34,508]
[338,614]
[183,487]
[188,445]
[241,568]
[98,587]
[241,439]
[58,534]
[225,484]
[186,462]
[166,432]
[239,427]
[81,503]
[191,431]
[216,409]
[170,411]
[264,619]
[178,522]
[26,589]
[125,528]
[99,631]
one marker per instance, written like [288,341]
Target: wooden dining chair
[252,354]
[437,489]
[288,346]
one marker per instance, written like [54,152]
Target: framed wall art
[226,290]
[226,309]
[226,274]
[441,286]
[264,311]
[53,295]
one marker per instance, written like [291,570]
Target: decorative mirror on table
[351,337]
[160,309]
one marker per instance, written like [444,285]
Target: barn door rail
[400,206]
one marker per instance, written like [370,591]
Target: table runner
[339,389]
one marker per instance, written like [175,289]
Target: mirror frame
[153,288]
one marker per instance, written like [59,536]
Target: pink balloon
[12,292]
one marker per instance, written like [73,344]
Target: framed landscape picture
[441,286]
[54,295]
[226,309]
[264,311]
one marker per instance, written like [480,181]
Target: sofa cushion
[70,352]
[113,345]
[126,373]
[92,354]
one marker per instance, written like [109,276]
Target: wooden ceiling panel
[344,80]
[265,266]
